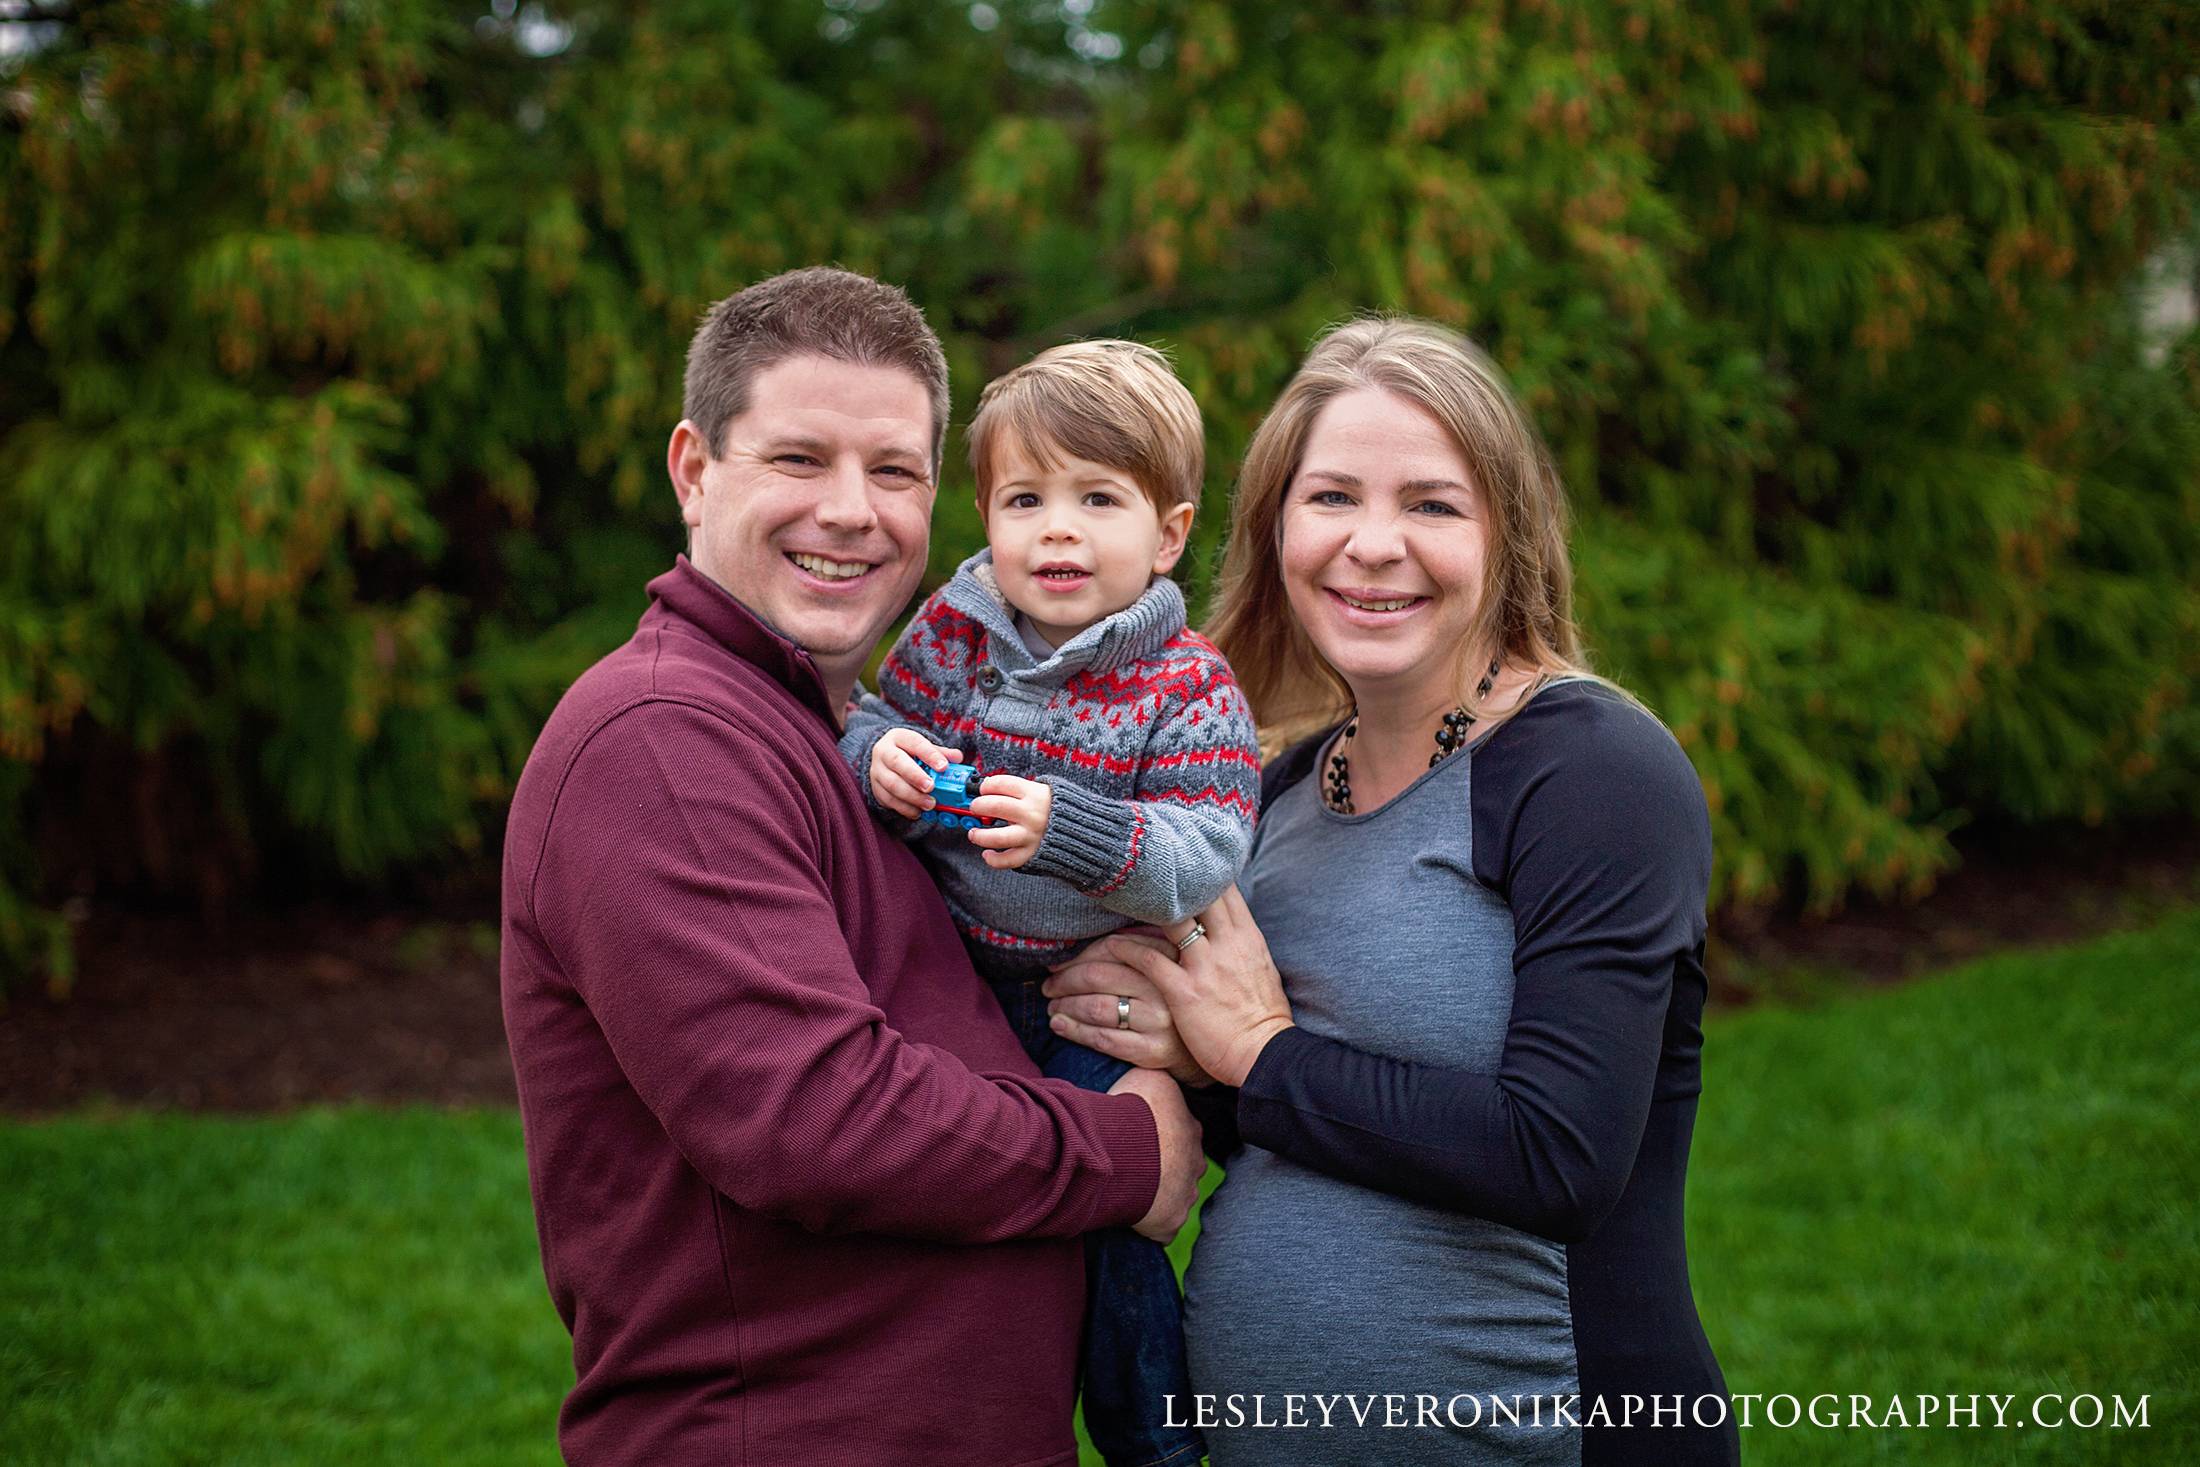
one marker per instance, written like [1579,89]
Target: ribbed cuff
[1131,1136]
[1089,840]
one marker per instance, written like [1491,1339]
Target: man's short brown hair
[1114,403]
[818,311]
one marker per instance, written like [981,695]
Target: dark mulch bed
[2013,890]
[263,1013]
[278,1010]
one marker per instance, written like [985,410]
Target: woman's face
[1383,544]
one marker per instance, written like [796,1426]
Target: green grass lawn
[1985,1181]
[1982,1182]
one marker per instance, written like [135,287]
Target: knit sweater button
[989,678]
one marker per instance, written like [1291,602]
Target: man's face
[817,511]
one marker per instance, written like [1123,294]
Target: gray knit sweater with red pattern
[1136,724]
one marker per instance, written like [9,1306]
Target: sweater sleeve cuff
[1132,1139]
[1091,841]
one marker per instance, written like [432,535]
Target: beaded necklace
[1451,737]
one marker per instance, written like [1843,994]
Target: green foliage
[338,347]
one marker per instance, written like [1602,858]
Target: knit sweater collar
[1137,632]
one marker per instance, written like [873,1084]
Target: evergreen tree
[338,345]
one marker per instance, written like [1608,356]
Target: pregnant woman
[1457,1004]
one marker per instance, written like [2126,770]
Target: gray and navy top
[1462,1172]
[1136,724]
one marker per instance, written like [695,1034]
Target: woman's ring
[1199,930]
[1122,1012]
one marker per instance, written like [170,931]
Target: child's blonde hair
[1113,403]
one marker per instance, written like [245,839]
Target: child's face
[1075,541]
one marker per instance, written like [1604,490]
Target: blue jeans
[1133,1347]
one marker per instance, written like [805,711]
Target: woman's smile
[1374,607]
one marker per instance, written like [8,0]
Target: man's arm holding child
[1177,843]
[710,957]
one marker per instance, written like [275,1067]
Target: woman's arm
[1215,1107]
[1594,830]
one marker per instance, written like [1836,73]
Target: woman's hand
[1223,991]
[1087,993]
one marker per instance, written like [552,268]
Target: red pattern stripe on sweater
[1228,799]
[901,672]
[1246,757]
[946,620]
[1189,680]
[994,937]
[1084,758]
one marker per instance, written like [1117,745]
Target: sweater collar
[1137,632]
[686,596]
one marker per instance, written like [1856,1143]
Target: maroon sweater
[800,1195]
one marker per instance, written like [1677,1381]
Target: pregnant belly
[1303,1284]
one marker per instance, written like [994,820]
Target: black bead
[1339,794]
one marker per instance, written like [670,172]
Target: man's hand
[899,780]
[1022,806]
[1182,1162]
[1086,1007]
[1222,988]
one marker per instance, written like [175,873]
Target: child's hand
[1022,807]
[899,779]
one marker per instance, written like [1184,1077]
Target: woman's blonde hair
[1526,606]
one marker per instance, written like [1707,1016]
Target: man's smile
[823,568]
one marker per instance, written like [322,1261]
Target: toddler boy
[1119,758]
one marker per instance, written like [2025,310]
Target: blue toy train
[953,790]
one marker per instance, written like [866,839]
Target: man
[800,1196]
